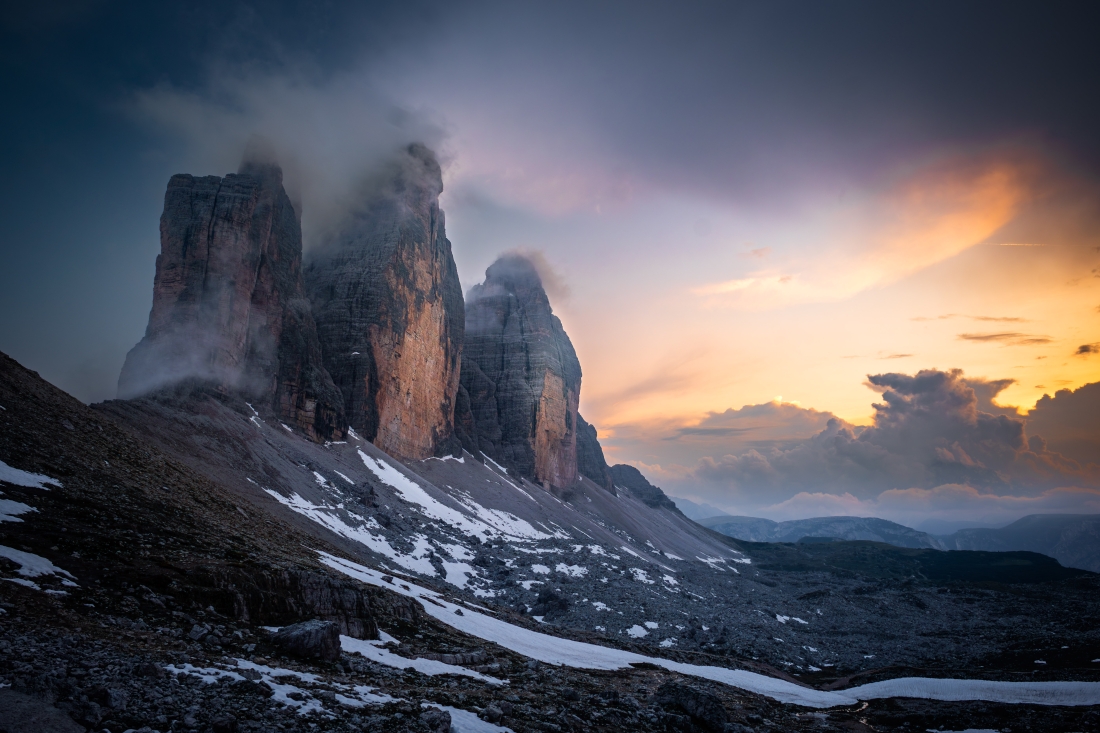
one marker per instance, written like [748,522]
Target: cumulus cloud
[986,390]
[771,423]
[928,431]
[669,446]
[1070,422]
[947,503]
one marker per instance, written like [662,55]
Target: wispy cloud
[925,218]
[1011,338]
[1087,349]
[995,319]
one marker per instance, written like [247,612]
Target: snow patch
[416,561]
[463,721]
[636,632]
[373,651]
[26,478]
[32,566]
[10,510]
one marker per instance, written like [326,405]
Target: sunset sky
[743,210]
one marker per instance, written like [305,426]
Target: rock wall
[632,479]
[228,303]
[521,377]
[590,458]
[388,306]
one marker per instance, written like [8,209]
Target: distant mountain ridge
[755,529]
[1071,539]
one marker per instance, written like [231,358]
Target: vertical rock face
[521,376]
[389,312]
[228,304]
[632,479]
[590,458]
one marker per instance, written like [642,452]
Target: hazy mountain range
[1072,539]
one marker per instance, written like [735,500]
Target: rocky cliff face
[389,312]
[228,303]
[590,458]
[632,479]
[521,377]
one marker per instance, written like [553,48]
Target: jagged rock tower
[389,312]
[590,458]
[229,309]
[521,379]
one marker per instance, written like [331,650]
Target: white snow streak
[26,478]
[489,522]
[10,510]
[373,651]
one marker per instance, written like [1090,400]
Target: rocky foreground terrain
[150,604]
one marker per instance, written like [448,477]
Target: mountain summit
[229,310]
[521,377]
[388,305]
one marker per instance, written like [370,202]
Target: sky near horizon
[745,210]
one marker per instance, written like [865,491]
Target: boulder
[704,709]
[310,640]
[436,721]
[20,713]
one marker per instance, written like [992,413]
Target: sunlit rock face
[229,309]
[521,377]
[389,312]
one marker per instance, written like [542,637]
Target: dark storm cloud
[1070,422]
[986,390]
[928,431]
[718,97]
